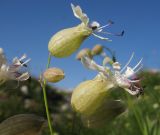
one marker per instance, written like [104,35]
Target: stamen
[138,64]
[139,68]
[120,34]
[103,38]
[22,64]
[108,24]
[127,63]
[114,34]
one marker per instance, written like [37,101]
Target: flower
[94,26]
[124,78]
[13,71]
[66,41]
[93,99]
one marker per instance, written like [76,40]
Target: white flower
[13,71]
[94,26]
[124,78]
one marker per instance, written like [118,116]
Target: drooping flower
[13,71]
[124,78]
[93,99]
[66,41]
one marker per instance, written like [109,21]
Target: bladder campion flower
[13,71]
[53,75]
[67,41]
[93,96]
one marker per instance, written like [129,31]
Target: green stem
[45,99]
[49,61]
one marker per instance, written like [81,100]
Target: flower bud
[53,75]
[84,52]
[97,49]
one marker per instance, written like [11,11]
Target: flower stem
[45,99]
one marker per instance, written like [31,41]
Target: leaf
[22,124]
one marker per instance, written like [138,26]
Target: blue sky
[27,25]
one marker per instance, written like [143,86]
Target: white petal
[90,64]
[16,61]
[129,72]
[85,19]
[77,11]
[95,24]
[121,80]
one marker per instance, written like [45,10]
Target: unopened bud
[53,75]
[97,49]
[84,52]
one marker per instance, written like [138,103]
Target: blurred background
[26,26]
